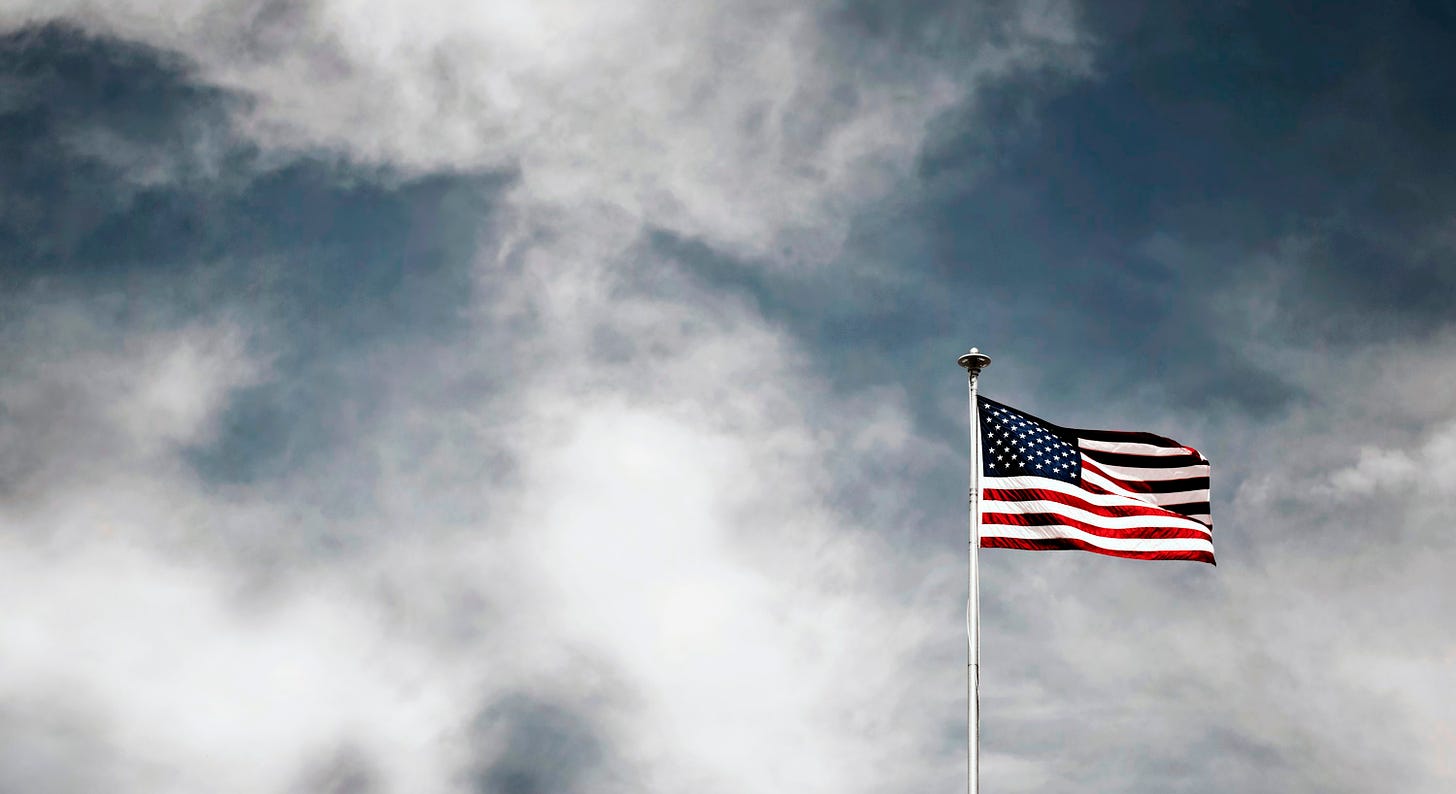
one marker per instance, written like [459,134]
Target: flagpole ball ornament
[974,361]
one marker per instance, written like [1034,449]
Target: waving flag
[1120,493]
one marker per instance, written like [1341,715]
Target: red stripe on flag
[1073,544]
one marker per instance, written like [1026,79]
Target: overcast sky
[547,397]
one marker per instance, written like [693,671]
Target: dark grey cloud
[1229,130]
[1299,158]
[359,265]
[346,772]
[126,176]
[529,746]
[88,126]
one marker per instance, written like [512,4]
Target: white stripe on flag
[1132,448]
[1132,474]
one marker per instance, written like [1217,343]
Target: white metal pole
[974,362]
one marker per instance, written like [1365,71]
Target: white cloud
[1376,469]
[744,123]
[187,689]
[670,525]
[85,396]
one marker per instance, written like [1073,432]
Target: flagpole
[974,362]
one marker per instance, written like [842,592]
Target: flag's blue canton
[1013,445]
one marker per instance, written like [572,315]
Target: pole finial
[974,361]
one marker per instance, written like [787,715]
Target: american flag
[1121,493]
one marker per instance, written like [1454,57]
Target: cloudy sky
[539,397]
